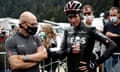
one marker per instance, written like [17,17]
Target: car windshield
[59,30]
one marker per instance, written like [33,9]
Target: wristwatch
[25,58]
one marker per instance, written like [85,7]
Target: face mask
[31,30]
[113,19]
[106,21]
[88,17]
[42,35]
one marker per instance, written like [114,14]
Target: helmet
[72,7]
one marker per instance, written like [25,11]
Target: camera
[2,33]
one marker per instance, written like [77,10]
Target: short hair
[115,8]
[87,6]
[106,14]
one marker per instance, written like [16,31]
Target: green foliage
[47,9]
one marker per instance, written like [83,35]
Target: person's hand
[109,34]
[13,66]
[41,51]
[86,67]
[75,48]
[40,55]
[83,66]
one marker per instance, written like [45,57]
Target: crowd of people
[87,43]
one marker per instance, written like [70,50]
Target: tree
[47,9]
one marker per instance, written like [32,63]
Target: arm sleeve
[110,45]
[11,46]
[63,48]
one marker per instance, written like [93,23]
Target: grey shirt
[18,44]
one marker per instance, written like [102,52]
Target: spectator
[89,18]
[4,65]
[24,48]
[106,19]
[50,42]
[112,31]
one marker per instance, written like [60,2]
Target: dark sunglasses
[113,15]
[88,13]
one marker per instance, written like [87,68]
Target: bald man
[24,47]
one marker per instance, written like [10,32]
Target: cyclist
[79,41]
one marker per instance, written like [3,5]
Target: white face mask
[113,19]
[106,21]
[88,17]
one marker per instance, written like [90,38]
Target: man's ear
[20,25]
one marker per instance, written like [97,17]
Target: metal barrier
[3,49]
[61,66]
[5,66]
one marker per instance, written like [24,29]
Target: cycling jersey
[85,37]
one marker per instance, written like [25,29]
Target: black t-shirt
[116,30]
[18,44]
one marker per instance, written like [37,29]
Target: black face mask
[30,30]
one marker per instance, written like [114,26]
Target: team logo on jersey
[77,39]
[21,45]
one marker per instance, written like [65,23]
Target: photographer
[4,67]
